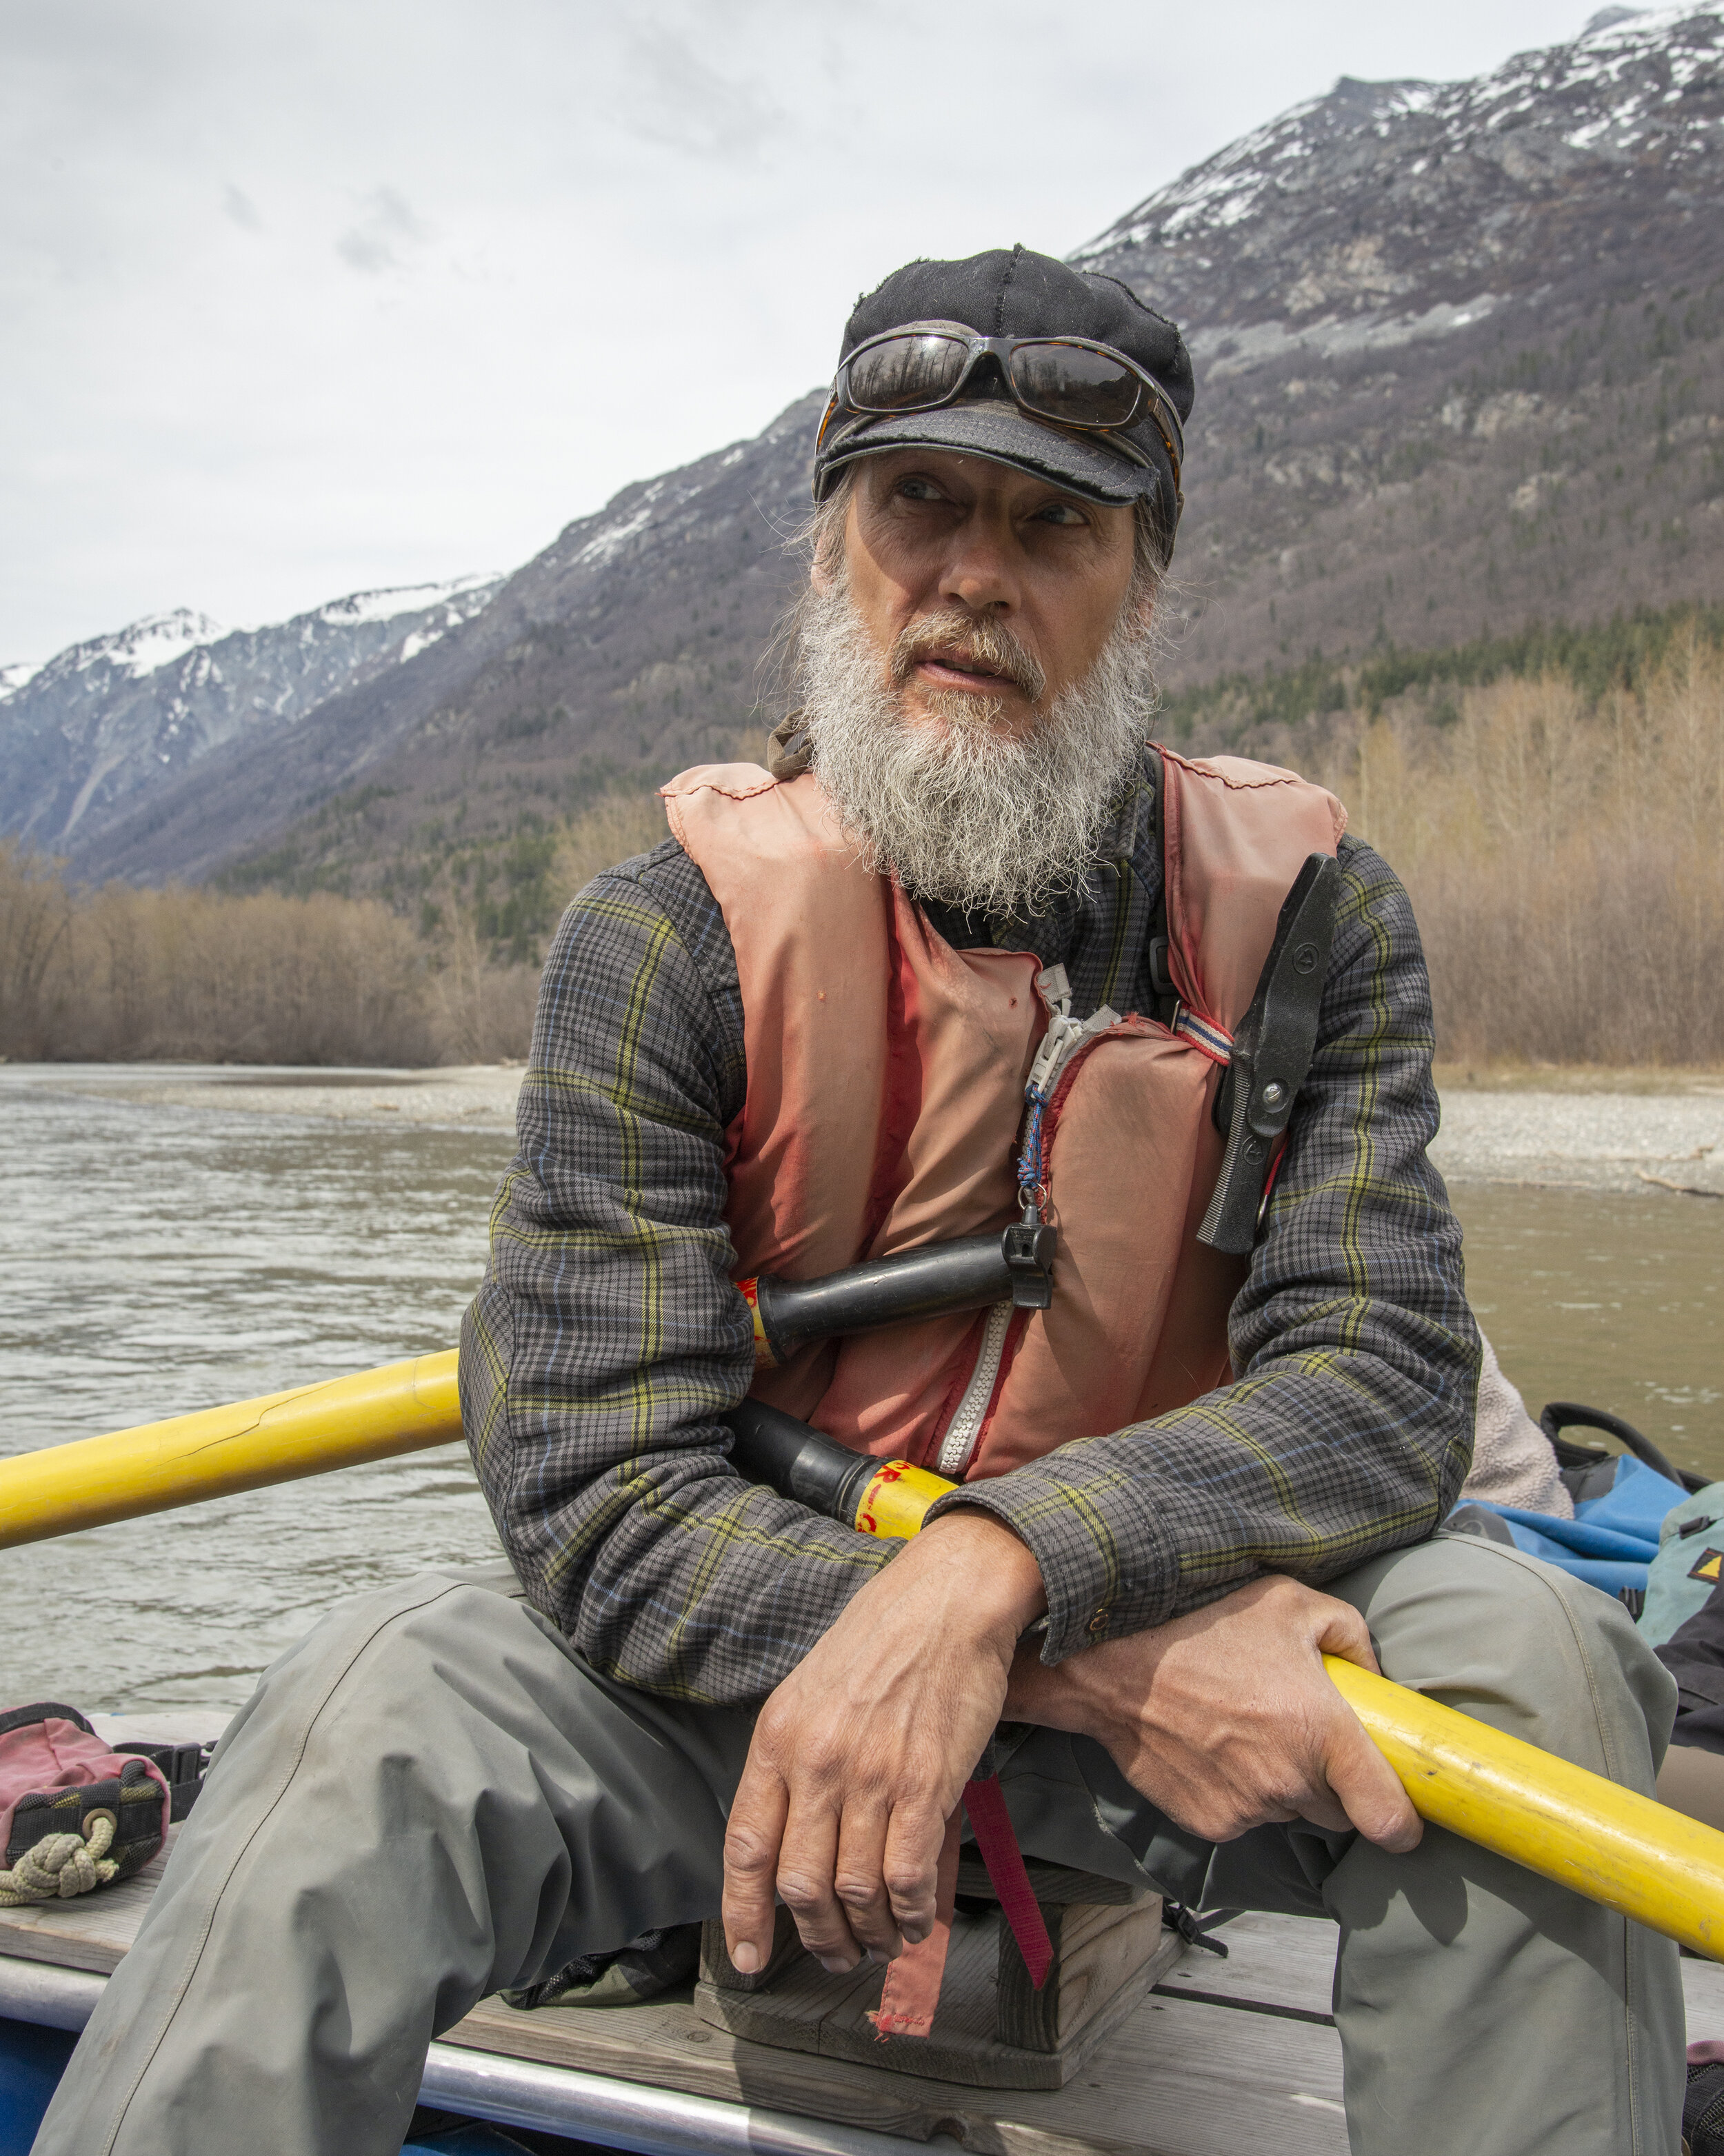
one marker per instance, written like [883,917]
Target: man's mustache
[971,640]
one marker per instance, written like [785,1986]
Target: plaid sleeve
[1348,1429]
[608,1335]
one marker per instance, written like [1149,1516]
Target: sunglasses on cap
[1065,380]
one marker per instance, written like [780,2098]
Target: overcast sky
[299,299]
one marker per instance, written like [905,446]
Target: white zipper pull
[1064,1036]
[963,1429]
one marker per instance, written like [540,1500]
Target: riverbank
[1647,1132]
[1576,1078]
[1667,1145]
[451,1097]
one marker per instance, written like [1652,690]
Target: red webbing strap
[985,1804]
[911,1991]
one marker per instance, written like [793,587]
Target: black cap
[1013,292]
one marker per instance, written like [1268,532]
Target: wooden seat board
[1280,1963]
[806,2009]
[92,1932]
[1180,2077]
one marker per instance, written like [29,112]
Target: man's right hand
[860,1757]
[1226,1720]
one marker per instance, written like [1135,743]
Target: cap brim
[1005,435]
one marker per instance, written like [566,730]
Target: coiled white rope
[62,1865]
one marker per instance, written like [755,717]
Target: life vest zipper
[963,1429]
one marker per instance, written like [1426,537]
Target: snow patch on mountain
[609,542]
[1228,188]
[157,641]
[141,648]
[390,604]
[1231,351]
[1225,191]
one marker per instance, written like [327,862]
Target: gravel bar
[1625,1142]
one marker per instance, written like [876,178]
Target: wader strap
[1271,1054]
[1164,997]
[985,1804]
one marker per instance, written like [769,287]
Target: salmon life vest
[885,1093]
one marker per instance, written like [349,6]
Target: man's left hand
[860,1757]
[1226,1718]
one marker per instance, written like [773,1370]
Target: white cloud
[304,300]
[237,205]
[383,235]
[685,104]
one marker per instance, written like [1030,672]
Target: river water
[163,1250]
[159,1259]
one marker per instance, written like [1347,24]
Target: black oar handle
[798,1461]
[969,1274]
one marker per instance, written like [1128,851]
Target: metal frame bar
[653,2122]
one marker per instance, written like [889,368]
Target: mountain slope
[111,723]
[1460,353]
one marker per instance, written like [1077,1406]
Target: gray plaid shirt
[608,1336]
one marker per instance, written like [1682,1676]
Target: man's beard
[961,810]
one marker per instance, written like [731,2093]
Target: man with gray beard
[967,808]
[969,960]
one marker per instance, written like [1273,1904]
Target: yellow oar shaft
[402,1408]
[1606,1842]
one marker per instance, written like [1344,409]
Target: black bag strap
[1571,1414]
[182,1766]
[45,1709]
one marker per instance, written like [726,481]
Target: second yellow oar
[1631,1853]
[404,1407]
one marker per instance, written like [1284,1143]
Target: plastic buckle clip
[1028,1248]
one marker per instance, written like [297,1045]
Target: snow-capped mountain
[1387,212]
[1460,362]
[632,642]
[98,731]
